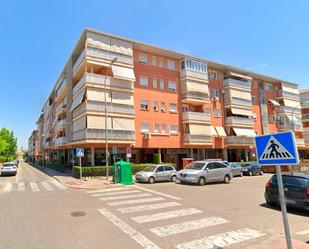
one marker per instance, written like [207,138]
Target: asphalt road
[37,212]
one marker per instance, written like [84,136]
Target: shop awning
[274,102]
[238,111]
[244,132]
[123,73]
[240,75]
[220,130]
[77,100]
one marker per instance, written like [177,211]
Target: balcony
[290,126]
[288,109]
[305,117]
[237,102]
[61,90]
[123,136]
[306,130]
[100,107]
[195,97]
[195,117]
[239,121]
[240,141]
[237,84]
[285,94]
[300,142]
[100,80]
[199,75]
[60,140]
[60,124]
[197,139]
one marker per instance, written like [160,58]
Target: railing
[121,135]
[285,109]
[60,140]
[235,140]
[237,101]
[196,116]
[290,126]
[61,124]
[81,57]
[194,74]
[282,93]
[239,121]
[203,139]
[62,87]
[196,95]
[237,83]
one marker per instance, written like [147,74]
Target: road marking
[135,235]
[106,190]
[166,215]
[158,193]
[47,186]
[222,239]
[58,184]
[21,186]
[8,187]
[303,232]
[117,193]
[120,197]
[34,187]
[187,226]
[148,207]
[126,202]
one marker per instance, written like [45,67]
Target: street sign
[277,149]
[129,152]
[80,152]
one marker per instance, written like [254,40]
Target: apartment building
[33,146]
[304,101]
[155,100]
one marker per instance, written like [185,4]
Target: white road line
[58,184]
[106,190]
[47,186]
[117,193]
[148,207]
[303,232]
[135,235]
[187,226]
[158,193]
[126,202]
[166,215]
[222,239]
[21,187]
[34,187]
[8,187]
[121,197]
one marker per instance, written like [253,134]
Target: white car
[9,169]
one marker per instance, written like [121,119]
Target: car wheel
[250,173]
[261,173]
[151,180]
[241,174]
[173,178]
[227,179]
[201,181]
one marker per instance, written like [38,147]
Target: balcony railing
[196,96]
[282,93]
[100,107]
[239,121]
[196,116]
[288,109]
[237,101]
[60,140]
[197,139]
[244,141]
[194,74]
[119,135]
[237,83]
[100,80]
[290,126]
[61,88]
[61,124]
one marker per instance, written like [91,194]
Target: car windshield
[8,165]
[149,169]
[196,166]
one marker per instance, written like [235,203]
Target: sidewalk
[281,244]
[68,180]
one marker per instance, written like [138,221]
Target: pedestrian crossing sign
[277,149]
[80,152]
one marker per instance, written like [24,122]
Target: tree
[8,145]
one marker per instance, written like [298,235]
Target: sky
[37,37]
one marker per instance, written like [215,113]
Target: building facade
[155,100]
[304,100]
[33,146]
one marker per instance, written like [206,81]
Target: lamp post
[105,116]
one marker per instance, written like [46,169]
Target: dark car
[251,169]
[296,191]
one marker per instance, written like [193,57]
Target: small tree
[8,145]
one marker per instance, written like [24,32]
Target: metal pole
[105,116]
[80,169]
[283,208]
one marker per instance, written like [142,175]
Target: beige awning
[79,124]
[77,100]
[123,73]
[238,111]
[193,86]
[244,132]
[213,131]
[98,95]
[291,103]
[123,124]
[98,122]
[240,75]
[274,102]
[239,94]
[122,98]
[220,130]
[290,90]
[197,129]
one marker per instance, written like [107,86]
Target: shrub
[157,158]
[55,166]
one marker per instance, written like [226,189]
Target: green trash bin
[122,173]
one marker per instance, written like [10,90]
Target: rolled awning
[290,90]
[77,100]
[238,111]
[192,86]
[197,129]
[240,75]
[244,132]
[240,94]
[274,102]
[123,73]
[220,130]
[291,103]
[213,131]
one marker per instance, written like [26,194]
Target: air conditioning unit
[147,135]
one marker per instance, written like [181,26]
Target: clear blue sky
[269,37]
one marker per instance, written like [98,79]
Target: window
[168,168]
[164,128]
[269,87]
[194,65]
[144,104]
[213,75]
[185,108]
[172,86]
[253,100]
[272,119]
[173,107]
[156,128]
[154,60]
[143,58]
[154,83]
[215,93]
[163,106]
[161,62]
[174,129]
[217,113]
[156,106]
[143,81]
[281,120]
[171,65]
[160,169]
[207,110]
[144,127]
[161,84]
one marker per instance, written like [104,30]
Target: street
[39,212]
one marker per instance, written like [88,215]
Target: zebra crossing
[155,207]
[48,185]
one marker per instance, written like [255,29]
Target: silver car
[236,169]
[157,173]
[9,169]
[202,172]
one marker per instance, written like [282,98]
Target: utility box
[122,173]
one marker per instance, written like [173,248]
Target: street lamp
[105,110]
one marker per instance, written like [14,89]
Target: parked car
[9,169]
[236,169]
[202,172]
[251,169]
[157,173]
[296,190]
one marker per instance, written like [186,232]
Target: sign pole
[80,170]
[283,207]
